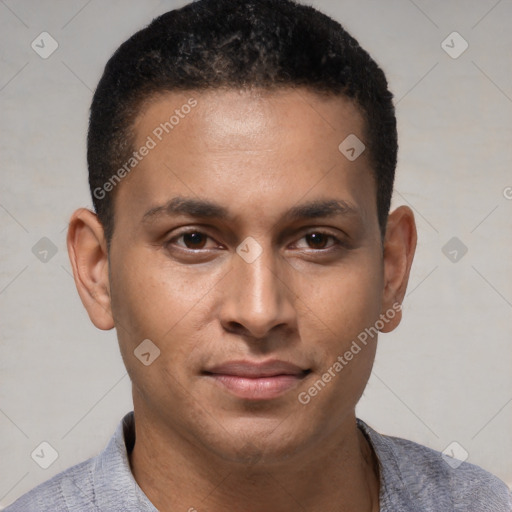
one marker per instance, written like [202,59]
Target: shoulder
[429,474]
[433,481]
[71,489]
[101,483]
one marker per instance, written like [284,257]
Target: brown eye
[318,240]
[195,239]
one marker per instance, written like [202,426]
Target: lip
[257,380]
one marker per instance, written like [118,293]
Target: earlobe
[399,248]
[87,249]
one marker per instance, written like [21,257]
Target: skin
[302,300]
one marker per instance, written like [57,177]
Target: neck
[178,475]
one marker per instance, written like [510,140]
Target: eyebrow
[202,208]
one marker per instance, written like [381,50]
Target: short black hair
[236,44]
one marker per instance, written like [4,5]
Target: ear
[399,248]
[87,249]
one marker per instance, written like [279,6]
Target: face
[247,249]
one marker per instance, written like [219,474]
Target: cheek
[150,297]
[153,299]
[152,302]
[343,302]
[340,328]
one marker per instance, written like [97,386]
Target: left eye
[319,239]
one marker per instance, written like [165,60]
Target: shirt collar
[113,477]
[393,494]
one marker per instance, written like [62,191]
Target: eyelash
[337,242]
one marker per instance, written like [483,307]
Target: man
[241,163]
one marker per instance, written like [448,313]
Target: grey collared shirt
[414,478]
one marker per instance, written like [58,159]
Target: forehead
[253,115]
[253,145]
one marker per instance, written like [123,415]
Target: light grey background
[444,375]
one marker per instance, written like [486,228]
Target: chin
[256,441]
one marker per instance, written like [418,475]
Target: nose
[258,296]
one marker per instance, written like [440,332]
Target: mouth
[257,381]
